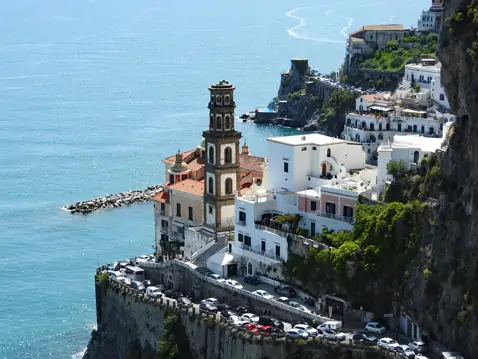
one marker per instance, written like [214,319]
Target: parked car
[330,324]
[263,294]
[234,318]
[228,313]
[171,293]
[241,310]
[360,337]
[267,321]
[251,279]
[419,356]
[185,302]
[212,301]
[418,346]
[376,328]
[207,307]
[311,331]
[285,291]
[405,351]
[214,276]
[297,306]
[139,286]
[451,355]
[154,291]
[241,323]
[222,280]
[283,300]
[252,318]
[332,335]
[223,306]
[297,334]
[234,283]
[387,343]
[124,280]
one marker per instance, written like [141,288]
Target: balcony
[292,236]
[241,223]
[176,236]
[162,212]
[334,216]
[257,250]
[165,229]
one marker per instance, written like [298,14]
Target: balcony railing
[241,223]
[257,250]
[294,237]
[162,212]
[178,236]
[165,229]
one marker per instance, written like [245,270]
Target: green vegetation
[395,55]
[288,218]
[296,95]
[103,280]
[465,19]
[382,244]
[427,273]
[334,108]
[175,344]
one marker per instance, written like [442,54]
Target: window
[171,178]
[277,250]
[387,127]
[442,97]
[178,209]
[240,237]
[380,127]
[422,129]
[247,241]
[372,127]
[328,152]
[228,185]
[304,149]
[228,122]
[211,154]
[330,208]
[313,205]
[211,122]
[190,214]
[210,185]
[409,128]
[219,100]
[163,207]
[314,148]
[209,209]
[164,224]
[286,167]
[263,246]
[399,126]
[348,211]
[415,129]
[242,216]
[228,155]
[218,122]
[380,136]
[183,177]
[227,100]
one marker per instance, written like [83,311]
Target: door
[249,268]
[232,270]
[312,229]
[263,246]
[324,169]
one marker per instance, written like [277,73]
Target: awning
[380,108]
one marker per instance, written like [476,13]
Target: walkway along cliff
[133,325]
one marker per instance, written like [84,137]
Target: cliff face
[445,294]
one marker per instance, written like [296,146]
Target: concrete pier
[113,200]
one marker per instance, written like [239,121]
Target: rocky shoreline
[113,200]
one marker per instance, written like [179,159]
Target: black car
[251,279]
[207,307]
[147,283]
[222,307]
[360,337]
[228,313]
[184,302]
[171,293]
[138,286]
[286,291]
[267,321]
[241,310]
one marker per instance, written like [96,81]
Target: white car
[214,276]
[212,301]
[387,343]
[297,333]
[405,351]
[307,328]
[234,318]
[154,291]
[222,280]
[263,294]
[375,328]
[330,334]
[252,318]
[298,306]
[240,323]
[234,283]
[418,346]
[124,280]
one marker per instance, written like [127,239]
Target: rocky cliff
[444,297]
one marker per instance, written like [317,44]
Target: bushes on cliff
[103,279]
[175,344]
[332,113]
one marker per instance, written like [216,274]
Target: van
[134,273]
[332,325]
[451,355]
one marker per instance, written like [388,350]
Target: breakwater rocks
[114,200]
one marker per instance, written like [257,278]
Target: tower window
[218,122]
[228,155]
[227,100]
[178,209]
[328,152]
[213,98]
[227,120]
[286,167]
[211,154]
[228,186]
[219,100]
[210,185]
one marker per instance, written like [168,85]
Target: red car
[250,326]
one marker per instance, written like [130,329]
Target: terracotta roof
[246,179]
[162,197]
[189,186]
[251,163]
[384,27]
[373,97]
[194,165]
[172,159]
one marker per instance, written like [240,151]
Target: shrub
[103,279]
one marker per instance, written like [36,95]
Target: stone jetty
[114,200]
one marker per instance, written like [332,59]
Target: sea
[93,95]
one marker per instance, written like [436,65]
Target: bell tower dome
[222,169]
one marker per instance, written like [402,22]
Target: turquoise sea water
[93,94]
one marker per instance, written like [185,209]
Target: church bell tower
[222,168]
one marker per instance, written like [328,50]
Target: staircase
[201,260]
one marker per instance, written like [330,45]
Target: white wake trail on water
[348,27]
[302,22]
[79,355]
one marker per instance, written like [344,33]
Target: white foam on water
[302,22]
[79,355]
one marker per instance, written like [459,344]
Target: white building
[409,150]
[314,176]
[431,19]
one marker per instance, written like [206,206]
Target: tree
[396,168]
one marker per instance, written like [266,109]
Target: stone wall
[131,325]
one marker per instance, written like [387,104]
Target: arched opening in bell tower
[228,155]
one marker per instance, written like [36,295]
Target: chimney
[245,149]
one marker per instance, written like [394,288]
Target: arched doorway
[249,268]
[416,155]
[324,169]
